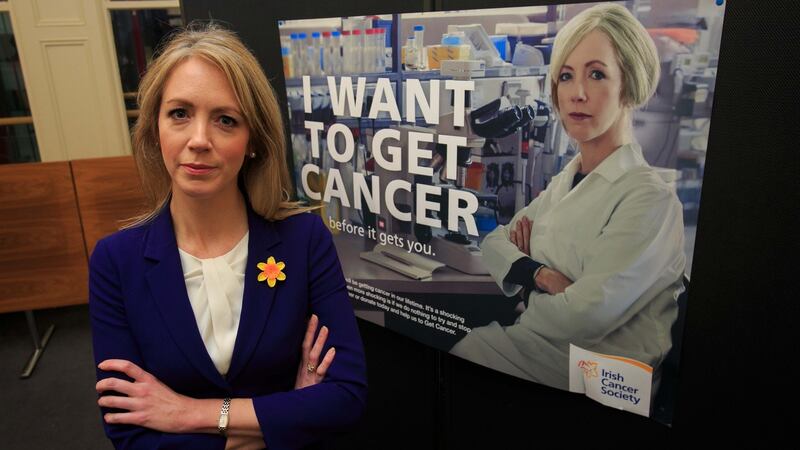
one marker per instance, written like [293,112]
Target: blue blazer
[140,311]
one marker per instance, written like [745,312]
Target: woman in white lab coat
[601,249]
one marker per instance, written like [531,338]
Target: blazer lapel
[258,296]
[168,287]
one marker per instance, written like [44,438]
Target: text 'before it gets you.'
[387,152]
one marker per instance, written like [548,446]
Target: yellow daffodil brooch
[271,271]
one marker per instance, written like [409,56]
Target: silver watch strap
[223,416]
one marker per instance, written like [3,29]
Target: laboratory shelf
[490,72]
[378,123]
[397,74]
[422,75]
[323,80]
[352,122]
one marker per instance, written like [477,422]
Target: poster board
[414,259]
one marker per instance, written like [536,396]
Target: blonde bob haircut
[264,178]
[635,50]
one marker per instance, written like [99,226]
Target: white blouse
[216,287]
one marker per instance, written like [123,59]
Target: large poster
[517,186]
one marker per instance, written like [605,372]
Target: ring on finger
[311,368]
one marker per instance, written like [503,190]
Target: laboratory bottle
[336,52]
[302,50]
[381,41]
[379,50]
[419,31]
[410,56]
[454,44]
[366,51]
[286,56]
[327,64]
[297,67]
[358,51]
[376,50]
[347,52]
[315,53]
[292,56]
[372,50]
[388,50]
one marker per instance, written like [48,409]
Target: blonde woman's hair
[635,50]
[265,178]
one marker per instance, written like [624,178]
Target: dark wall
[736,379]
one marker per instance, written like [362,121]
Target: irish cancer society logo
[589,368]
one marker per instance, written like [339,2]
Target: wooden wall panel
[109,191]
[42,254]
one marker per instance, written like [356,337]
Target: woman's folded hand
[311,371]
[149,402]
[521,235]
[552,281]
[547,279]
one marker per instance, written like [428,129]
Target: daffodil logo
[271,271]
[589,368]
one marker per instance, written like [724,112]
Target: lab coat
[618,235]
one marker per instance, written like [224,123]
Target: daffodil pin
[271,271]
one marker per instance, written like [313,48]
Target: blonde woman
[204,311]
[601,249]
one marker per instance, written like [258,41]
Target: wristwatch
[223,416]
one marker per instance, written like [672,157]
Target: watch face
[223,421]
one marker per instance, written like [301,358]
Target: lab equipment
[302,52]
[369,50]
[419,33]
[347,52]
[498,119]
[452,47]
[503,46]
[315,54]
[527,56]
[336,52]
[381,42]
[327,64]
[410,57]
[482,46]
[286,56]
[414,266]
[374,49]
[463,69]
[298,55]
[357,51]
[454,249]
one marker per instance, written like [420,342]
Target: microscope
[493,122]
[443,247]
